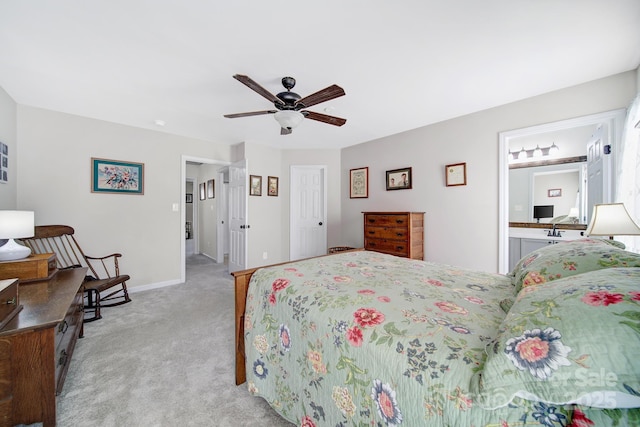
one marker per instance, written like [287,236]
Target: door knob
[320,223]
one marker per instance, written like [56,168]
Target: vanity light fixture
[525,154]
[537,152]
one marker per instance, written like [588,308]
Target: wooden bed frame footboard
[242,279]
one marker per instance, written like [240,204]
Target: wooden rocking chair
[105,277]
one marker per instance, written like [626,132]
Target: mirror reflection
[550,169]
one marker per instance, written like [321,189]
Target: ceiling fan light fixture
[289,119]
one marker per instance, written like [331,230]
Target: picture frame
[255,185]
[554,192]
[456,174]
[4,163]
[272,186]
[189,198]
[116,176]
[203,191]
[211,189]
[399,179]
[359,183]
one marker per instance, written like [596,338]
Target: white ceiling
[403,64]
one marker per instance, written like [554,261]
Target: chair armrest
[116,255]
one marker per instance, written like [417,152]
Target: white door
[222,213]
[308,212]
[238,198]
[598,170]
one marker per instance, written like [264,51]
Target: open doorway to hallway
[204,204]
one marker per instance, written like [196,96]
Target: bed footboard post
[241,279]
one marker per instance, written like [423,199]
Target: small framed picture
[203,191]
[399,179]
[272,186]
[359,183]
[554,192]
[189,198]
[115,176]
[456,174]
[255,185]
[211,189]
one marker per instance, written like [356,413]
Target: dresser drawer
[67,333]
[392,247]
[9,300]
[386,220]
[5,369]
[387,233]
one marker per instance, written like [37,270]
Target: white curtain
[628,171]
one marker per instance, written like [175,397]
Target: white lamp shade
[289,119]
[16,224]
[573,213]
[612,220]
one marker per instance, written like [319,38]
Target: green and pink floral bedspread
[368,339]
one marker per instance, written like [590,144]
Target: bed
[363,338]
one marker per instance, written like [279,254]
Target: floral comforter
[368,339]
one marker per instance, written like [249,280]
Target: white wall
[461,223]
[8,114]
[54,180]
[207,211]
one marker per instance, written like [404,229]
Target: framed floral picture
[359,183]
[211,189]
[272,186]
[255,185]
[115,176]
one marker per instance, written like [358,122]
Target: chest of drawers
[36,347]
[395,233]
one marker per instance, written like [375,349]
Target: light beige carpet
[165,359]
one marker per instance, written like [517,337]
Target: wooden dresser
[395,233]
[36,347]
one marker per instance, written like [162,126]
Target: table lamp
[612,220]
[15,225]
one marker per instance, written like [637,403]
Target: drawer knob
[62,360]
[11,301]
[63,327]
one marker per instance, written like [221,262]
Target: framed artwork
[456,174]
[203,191]
[189,198]
[255,185]
[211,189]
[399,179]
[4,163]
[554,192]
[272,186]
[359,183]
[115,176]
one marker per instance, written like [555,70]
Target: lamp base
[11,251]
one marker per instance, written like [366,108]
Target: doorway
[614,121]
[198,229]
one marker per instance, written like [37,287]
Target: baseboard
[150,286]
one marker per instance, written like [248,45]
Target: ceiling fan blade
[285,131]
[332,120]
[251,113]
[251,84]
[326,94]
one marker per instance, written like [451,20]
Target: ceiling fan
[290,107]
